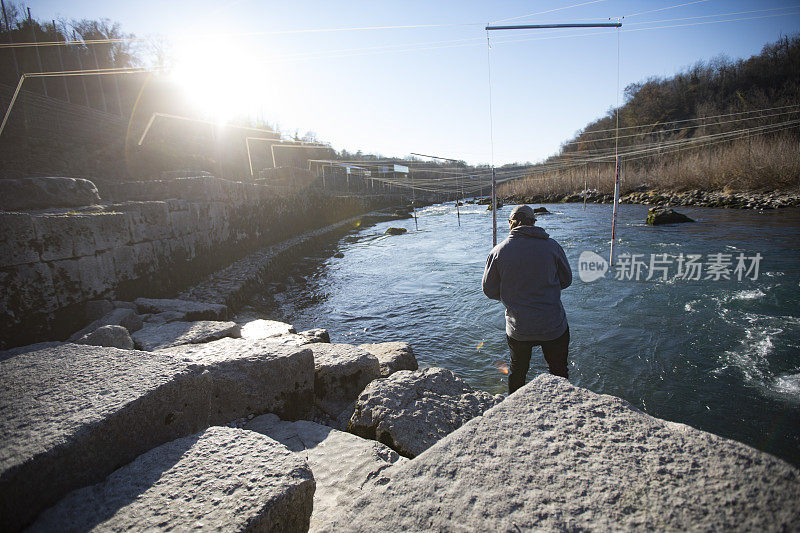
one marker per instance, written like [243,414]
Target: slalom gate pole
[458,213]
[617,180]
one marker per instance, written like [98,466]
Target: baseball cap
[522,212]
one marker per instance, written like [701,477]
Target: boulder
[392,356]
[541,210]
[127,318]
[288,381]
[555,457]
[395,231]
[338,255]
[316,335]
[190,310]
[665,215]
[163,318]
[410,411]
[341,372]
[262,329]
[112,336]
[72,414]
[158,336]
[40,193]
[221,479]
[344,466]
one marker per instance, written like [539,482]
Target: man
[527,272]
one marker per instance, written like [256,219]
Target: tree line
[107,93]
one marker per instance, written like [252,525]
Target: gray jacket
[526,272]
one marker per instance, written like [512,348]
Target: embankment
[52,261]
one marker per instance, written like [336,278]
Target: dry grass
[756,164]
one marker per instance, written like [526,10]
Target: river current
[722,355]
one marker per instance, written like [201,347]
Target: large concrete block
[220,222]
[148,221]
[181,222]
[341,372]
[344,466]
[177,204]
[57,235]
[190,242]
[111,230]
[5,354]
[146,261]
[66,281]
[18,242]
[70,235]
[393,356]
[188,310]
[262,329]
[83,230]
[72,414]
[39,193]
[97,274]
[124,262]
[26,289]
[284,386]
[222,479]
[155,336]
[201,215]
[555,457]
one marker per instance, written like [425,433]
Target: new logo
[591,266]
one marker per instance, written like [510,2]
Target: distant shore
[698,198]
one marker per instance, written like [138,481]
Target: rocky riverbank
[245,424]
[698,198]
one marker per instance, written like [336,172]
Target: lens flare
[501,366]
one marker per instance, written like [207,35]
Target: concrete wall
[53,261]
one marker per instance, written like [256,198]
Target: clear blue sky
[425,89]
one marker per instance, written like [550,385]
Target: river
[721,355]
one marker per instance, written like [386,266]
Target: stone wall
[53,261]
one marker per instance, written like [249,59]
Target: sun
[220,78]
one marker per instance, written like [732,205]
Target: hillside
[720,124]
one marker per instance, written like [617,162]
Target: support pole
[11,103]
[414,203]
[585,186]
[494,208]
[249,157]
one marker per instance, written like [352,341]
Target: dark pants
[555,353]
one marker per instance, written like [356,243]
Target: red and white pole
[617,181]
